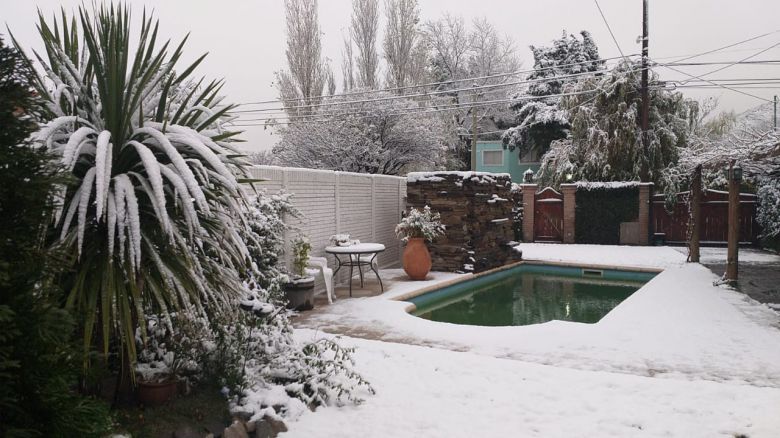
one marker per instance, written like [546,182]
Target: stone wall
[476,208]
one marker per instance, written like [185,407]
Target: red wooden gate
[548,216]
[714,216]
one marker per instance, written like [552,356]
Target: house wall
[511,164]
[367,207]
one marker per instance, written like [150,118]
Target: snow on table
[427,392]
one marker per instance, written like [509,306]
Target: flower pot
[156,393]
[300,293]
[417,259]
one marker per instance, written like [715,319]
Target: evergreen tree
[38,367]
[540,119]
[604,142]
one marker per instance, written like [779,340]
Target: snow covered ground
[680,357]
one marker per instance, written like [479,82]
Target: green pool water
[530,295]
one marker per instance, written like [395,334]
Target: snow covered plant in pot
[300,289]
[414,230]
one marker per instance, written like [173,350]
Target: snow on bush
[425,224]
[768,215]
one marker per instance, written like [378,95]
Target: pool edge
[413,294]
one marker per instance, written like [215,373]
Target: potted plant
[415,229]
[155,370]
[169,359]
[300,289]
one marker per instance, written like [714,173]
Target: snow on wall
[367,207]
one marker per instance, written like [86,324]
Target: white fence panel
[367,207]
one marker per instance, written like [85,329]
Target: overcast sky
[245,38]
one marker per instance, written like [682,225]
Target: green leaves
[138,242]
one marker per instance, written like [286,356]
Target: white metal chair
[321,264]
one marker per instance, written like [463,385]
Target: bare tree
[480,52]
[348,65]
[449,42]
[306,75]
[367,137]
[331,80]
[403,43]
[364,29]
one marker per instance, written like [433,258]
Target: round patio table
[355,255]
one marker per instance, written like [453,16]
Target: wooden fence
[714,217]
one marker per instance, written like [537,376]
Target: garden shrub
[39,367]
[600,210]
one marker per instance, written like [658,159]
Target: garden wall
[367,207]
[476,209]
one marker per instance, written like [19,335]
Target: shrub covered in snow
[425,224]
[252,352]
[769,207]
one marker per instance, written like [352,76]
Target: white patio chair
[321,264]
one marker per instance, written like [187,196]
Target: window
[493,158]
[531,156]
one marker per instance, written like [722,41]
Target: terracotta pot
[417,259]
[152,394]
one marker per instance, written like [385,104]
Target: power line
[425,94]
[431,84]
[609,28]
[741,60]
[716,84]
[687,57]
[423,110]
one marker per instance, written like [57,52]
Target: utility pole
[695,205]
[775,112]
[474,137]
[645,92]
[732,257]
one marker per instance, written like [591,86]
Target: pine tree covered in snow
[365,137]
[541,120]
[152,217]
[605,143]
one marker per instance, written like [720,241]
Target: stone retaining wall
[476,208]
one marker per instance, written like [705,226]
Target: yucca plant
[153,218]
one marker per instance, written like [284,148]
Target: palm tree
[153,218]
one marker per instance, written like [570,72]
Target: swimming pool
[531,294]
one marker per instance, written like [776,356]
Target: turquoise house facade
[492,157]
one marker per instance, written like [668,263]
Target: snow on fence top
[607,185]
[486,177]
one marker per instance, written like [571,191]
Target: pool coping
[422,291]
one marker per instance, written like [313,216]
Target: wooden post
[732,261]
[693,243]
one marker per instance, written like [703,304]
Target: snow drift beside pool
[678,325]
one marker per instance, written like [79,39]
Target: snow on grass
[426,392]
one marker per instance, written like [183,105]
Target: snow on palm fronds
[154,212]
